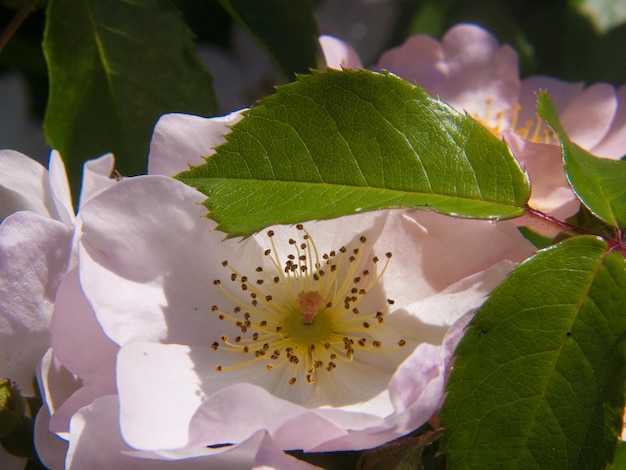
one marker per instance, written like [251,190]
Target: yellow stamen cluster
[534,131]
[307,312]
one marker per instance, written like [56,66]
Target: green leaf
[341,142]
[538,382]
[599,183]
[620,458]
[115,66]
[286,29]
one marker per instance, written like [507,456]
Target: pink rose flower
[166,291]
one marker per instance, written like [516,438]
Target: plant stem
[557,222]
[16,22]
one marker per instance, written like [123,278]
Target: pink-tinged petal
[95,442]
[588,117]
[271,457]
[60,189]
[339,54]
[51,449]
[586,114]
[56,385]
[614,143]
[182,140]
[34,251]
[448,305]
[150,375]
[73,331]
[417,60]
[10,461]
[469,70]
[96,176]
[134,272]
[560,91]
[426,241]
[24,186]
[197,415]
[550,191]
[222,418]
[412,378]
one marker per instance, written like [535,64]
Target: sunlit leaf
[337,143]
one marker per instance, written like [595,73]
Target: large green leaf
[286,29]
[337,143]
[538,382]
[115,66]
[599,183]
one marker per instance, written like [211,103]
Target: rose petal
[182,140]
[34,252]
[95,442]
[60,189]
[96,176]
[24,186]
[613,145]
[339,54]
[131,288]
[51,449]
[468,69]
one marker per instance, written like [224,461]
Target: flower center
[309,312]
[531,130]
[310,303]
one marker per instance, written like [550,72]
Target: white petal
[56,385]
[24,186]
[34,251]
[147,260]
[181,140]
[60,189]
[73,332]
[437,251]
[51,449]
[96,176]
[159,391]
[95,442]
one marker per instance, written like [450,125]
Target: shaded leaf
[337,143]
[599,183]
[285,29]
[115,66]
[538,382]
